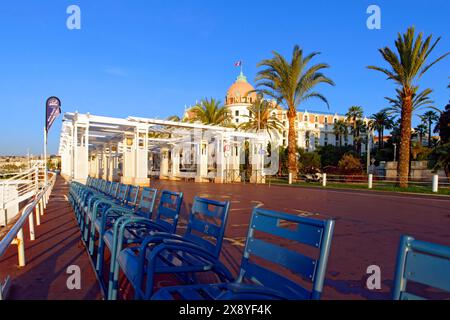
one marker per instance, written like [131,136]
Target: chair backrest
[268,231]
[132,196]
[114,189]
[423,263]
[207,223]
[146,202]
[123,192]
[168,210]
[101,185]
[107,187]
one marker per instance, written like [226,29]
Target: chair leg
[100,254]
[92,239]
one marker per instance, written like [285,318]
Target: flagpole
[45,156]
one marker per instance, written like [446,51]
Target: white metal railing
[15,234]
[434,183]
[21,187]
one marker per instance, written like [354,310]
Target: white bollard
[435,183]
[370,181]
[290,178]
[324,180]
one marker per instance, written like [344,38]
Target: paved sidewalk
[57,246]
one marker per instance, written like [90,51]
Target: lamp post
[368,150]
[395,152]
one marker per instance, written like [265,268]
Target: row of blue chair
[142,248]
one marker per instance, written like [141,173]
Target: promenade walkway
[57,246]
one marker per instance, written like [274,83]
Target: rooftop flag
[238,63]
[52,111]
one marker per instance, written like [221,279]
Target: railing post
[38,217]
[435,183]
[31,227]
[370,181]
[290,177]
[21,248]
[41,207]
[324,180]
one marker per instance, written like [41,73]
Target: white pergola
[132,150]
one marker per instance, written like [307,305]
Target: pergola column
[235,162]
[105,164]
[81,149]
[164,165]
[257,162]
[113,164]
[128,160]
[202,161]
[141,157]
[175,155]
[221,144]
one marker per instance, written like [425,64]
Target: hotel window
[335,120]
[236,113]
[306,118]
[326,120]
[237,120]
[316,119]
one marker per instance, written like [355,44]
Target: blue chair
[421,262]
[257,279]
[198,250]
[106,220]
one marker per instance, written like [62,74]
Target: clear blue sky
[150,58]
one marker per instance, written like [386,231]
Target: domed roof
[238,91]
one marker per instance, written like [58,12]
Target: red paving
[367,232]
[57,246]
[368,229]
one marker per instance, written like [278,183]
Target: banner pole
[45,156]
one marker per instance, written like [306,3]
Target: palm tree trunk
[405,138]
[292,142]
[429,133]
[382,137]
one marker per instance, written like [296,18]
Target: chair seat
[168,261]
[132,233]
[220,291]
[130,238]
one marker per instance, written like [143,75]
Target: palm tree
[406,68]
[428,118]
[292,83]
[381,121]
[261,117]
[420,131]
[340,129]
[210,111]
[354,114]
